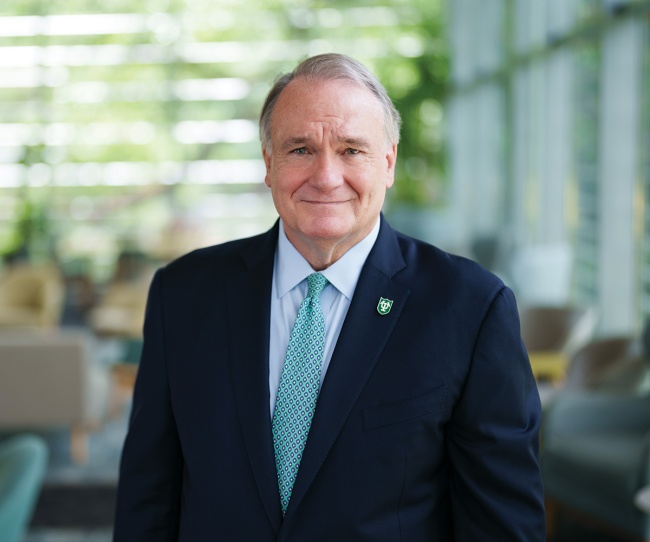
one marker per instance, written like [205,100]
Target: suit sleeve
[493,437]
[148,497]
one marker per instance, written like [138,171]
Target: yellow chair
[31,296]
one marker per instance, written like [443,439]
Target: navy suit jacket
[426,427]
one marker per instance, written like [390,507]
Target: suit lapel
[362,339]
[248,295]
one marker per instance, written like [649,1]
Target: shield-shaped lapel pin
[384,306]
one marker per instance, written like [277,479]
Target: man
[420,421]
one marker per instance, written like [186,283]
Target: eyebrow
[293,142]
[356,142]
[298,141]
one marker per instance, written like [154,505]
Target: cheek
[275,178]
[370,185]
[283,186]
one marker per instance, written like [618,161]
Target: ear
[391,158]
[266,154]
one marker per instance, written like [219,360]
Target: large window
[129,125]
[572,112]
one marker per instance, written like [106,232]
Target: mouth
[316,202]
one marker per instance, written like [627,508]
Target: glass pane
[587,85]
[645,174]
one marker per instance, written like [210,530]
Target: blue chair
[23,461]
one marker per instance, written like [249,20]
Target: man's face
[329,164]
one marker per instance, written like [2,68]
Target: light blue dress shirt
[289,288]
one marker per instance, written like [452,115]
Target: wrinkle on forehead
[330,113]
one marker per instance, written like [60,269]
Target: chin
[327,228]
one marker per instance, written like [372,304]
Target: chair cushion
[598,474]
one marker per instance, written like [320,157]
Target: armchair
[51,379]
[552,335]
[607,364]
[31,296]
[120,313]
[596,458]
[23,460]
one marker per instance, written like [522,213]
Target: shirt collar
[292,268]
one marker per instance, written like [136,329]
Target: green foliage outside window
[90,119]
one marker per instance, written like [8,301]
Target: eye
[352,151]
[300,150]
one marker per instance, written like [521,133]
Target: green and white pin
[384,306]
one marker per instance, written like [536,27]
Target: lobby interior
[128,136]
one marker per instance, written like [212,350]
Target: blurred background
[132,127]
[128,136]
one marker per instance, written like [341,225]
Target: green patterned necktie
[299,385]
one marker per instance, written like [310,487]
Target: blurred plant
[31,233]
[29,238]
[418,86]
[91,126]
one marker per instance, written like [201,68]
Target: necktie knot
[316,284]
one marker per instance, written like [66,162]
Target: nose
[326,172]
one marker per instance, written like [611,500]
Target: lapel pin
[384,306]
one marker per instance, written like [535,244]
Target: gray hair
[332,67]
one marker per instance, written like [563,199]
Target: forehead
[334,102]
